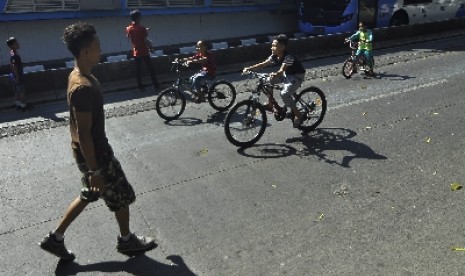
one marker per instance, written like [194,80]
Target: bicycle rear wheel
[170,104]
[311,103]
[245,123]
[348,68]
[222,95]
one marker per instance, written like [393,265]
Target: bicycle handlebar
[178,62]
[352,45]
[253,74]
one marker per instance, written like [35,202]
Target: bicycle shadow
[385,75]
[322,141]
[216,118]
[267,151]
[138,265]
[184,121]
[319,144]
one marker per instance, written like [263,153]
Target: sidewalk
[113,90]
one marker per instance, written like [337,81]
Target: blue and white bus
[337,16]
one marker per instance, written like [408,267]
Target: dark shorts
[118,194]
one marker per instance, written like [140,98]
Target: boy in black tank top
[291,73]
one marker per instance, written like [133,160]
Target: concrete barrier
[54,81]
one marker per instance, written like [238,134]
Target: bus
[319,17]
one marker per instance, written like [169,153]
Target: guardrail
[51,84]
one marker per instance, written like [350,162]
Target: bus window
[417,2]
[367,12]
[323,12]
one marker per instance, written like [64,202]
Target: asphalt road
[367,193]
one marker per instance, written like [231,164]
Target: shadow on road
[319,144]
[324,140]
[138,265]
[267,151]
[216,118]
[385,75]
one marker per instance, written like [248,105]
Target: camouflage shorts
[118,194]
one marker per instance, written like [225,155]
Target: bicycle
[246,121]
[171,102]
[354,62]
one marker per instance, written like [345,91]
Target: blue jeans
[198,79]
[368,55]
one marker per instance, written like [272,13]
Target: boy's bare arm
[196,60]
[15,70]
[256,66]
[280,72]
[84,126]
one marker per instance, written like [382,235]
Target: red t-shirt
[138,35]
[209,65]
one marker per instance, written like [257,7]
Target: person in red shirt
[204,57]
[142,46]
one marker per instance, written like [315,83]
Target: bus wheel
[399,19]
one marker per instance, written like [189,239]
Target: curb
[120,75]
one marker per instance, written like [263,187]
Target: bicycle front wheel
[311,103]
[222,95]
[245,123]
[348,68]
[170,104]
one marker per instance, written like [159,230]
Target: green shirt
[365,40]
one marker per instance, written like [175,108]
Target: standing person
[141,47]
[365,47]
[17,74]
[291,74]
[102,175]
[208,70]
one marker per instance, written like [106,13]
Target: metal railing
[25,6]
[18,6]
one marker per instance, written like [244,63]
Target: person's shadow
[138,265]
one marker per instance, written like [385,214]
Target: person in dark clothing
[141,48]
[17,74]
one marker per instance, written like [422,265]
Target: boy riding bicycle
[204,57]
[291,74]
[365,39]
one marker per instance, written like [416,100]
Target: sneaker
[135,244]
[50,244]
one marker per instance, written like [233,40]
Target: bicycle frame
[183,84]
[266,87]
[360,60]
[246,122]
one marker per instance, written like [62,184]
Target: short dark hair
[135,14]
[204,43]
[78,36]
[10,41]
[282,39]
